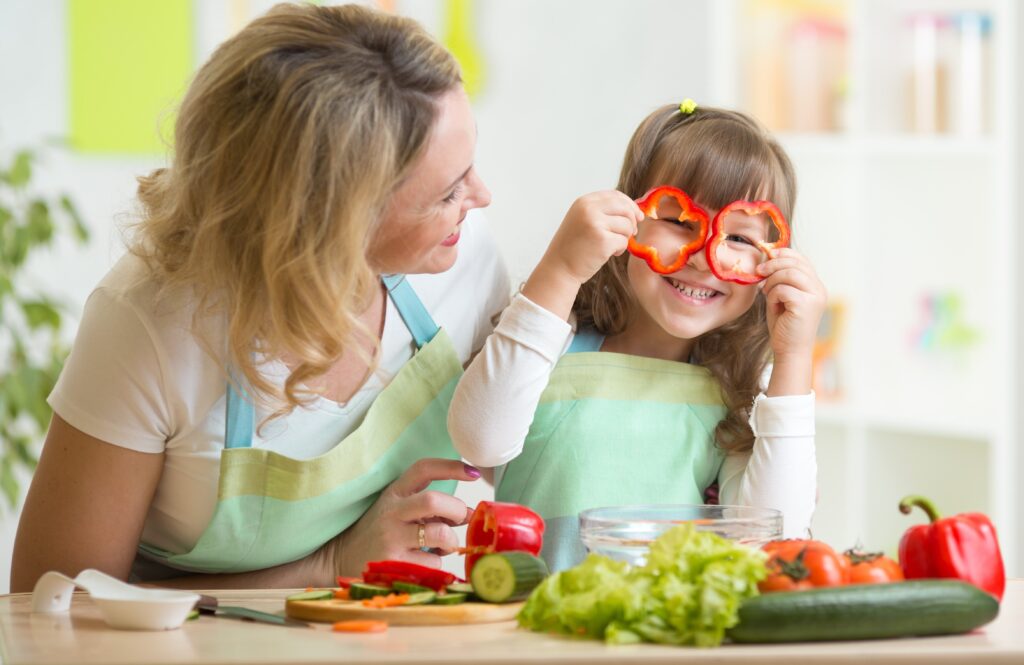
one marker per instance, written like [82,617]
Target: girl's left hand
[796,299]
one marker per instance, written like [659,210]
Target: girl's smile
[691,292]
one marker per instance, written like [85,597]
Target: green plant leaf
[18,249]
[40,223]
[78,226]
[8,482]
[40,313]
[21,169]
[5,216]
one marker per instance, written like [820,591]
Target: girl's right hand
[390,528]
[597,227]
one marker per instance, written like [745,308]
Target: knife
[210,605]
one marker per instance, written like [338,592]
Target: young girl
[607,383]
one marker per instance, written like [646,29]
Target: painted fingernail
[471,471]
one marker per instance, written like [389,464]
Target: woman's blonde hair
[716,156]
[286,148]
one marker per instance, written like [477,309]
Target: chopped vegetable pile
[688,592]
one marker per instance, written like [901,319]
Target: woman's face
[691,301]
[420,229]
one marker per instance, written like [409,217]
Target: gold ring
[421,535]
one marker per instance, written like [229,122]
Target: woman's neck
[644,337]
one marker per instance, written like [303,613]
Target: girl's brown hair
[286,147]
[716,156]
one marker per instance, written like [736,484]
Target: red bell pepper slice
[690,212]
[963,546]
[719,235]
[385,573]
[502,527]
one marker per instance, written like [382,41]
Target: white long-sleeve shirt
[496,399]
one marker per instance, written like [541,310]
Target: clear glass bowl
[625,532]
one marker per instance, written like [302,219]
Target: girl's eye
[736,238]
[454,195]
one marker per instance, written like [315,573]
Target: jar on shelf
[928,76]
[970,90]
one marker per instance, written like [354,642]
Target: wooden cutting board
[416,615]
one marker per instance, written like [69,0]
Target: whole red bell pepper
[502,527]
[689,212]
[718,235]
[963,546]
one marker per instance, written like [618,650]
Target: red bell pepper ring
[718,236]
[385,573]
[690,212]
[963,547]
[502,527]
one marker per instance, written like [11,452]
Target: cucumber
[408,587]
[315,594]
[421,598]
[360,591]
[460,587]
[451,599]
[865,612]
[506,576]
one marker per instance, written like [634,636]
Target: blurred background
[903,119]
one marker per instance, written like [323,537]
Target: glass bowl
[626,532]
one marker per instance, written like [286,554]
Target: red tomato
[803,564]
[872,568]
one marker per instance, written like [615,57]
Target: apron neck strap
[586,340]
[415,316]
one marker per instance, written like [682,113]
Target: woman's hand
[796,299]
[390,529]
[597,227]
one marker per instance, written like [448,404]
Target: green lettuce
[688,592]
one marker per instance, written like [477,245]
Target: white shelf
[939,425]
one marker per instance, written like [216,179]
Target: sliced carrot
[390,600]
[308,589]
[341,594]
[360,626]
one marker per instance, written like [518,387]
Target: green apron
[272,509]
[614,429]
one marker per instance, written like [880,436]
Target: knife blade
[211,605]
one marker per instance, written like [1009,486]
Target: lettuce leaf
[688,592]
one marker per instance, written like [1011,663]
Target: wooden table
[81,636]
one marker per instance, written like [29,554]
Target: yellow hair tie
[688,106]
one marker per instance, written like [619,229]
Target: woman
[257,396]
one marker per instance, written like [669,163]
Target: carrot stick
[360,626]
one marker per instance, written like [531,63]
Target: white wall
[564,87]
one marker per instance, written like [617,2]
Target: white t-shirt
[495,400]
[137,377]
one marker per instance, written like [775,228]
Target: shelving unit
[891,217]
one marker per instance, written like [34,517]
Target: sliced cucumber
[460,587]
[360,591]
[315,594]
[408,587]
[451,598]
[506,576]
[421,598]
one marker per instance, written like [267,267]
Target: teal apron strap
[419,322]
[585,341]
[241,415]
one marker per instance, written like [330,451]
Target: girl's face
[691,301]
[420,229]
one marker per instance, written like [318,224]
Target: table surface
[81,636]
